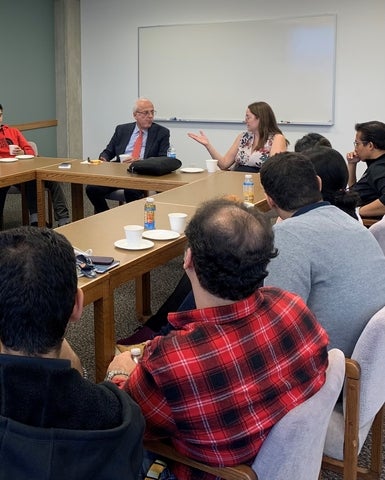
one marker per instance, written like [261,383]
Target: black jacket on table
[56,425]
[158,141]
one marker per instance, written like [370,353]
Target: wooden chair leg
[377,441]
[351,420]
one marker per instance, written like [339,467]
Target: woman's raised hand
[201,138]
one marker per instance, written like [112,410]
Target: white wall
[110,71]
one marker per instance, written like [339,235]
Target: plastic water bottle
[136,353]
[149,214]
[248,189]
[171,152]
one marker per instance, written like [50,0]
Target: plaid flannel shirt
[217,384]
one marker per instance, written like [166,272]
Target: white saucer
[8,160]
[143,245]
[160,234]
[24,157]
[192,170]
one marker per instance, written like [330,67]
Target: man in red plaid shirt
[233,367]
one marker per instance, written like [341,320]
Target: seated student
[311,140]
[331,167]
[369,147]
[217,384]
[137,140]
[326,257]
[13,136]
[54,423]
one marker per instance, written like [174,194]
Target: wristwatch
[112,373]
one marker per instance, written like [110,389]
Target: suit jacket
[158,141]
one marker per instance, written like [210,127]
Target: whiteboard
[211,72]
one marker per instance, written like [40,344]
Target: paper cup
[124,157]
[177,221]
[13,149]
[133,235]
[212,165]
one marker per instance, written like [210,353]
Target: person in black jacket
[154,143]
[54,423]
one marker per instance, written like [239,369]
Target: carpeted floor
[163,281]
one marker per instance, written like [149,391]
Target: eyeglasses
[147,113]
[355,143]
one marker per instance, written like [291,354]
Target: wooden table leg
[143,295]
[77,201]
[40,190]
[104,328]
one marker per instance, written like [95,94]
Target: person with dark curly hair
[231,368]
[331,167]
[311,140]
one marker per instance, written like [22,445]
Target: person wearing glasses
[126,146]
[252,148]
[369,147]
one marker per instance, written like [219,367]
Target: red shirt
[217,384]
[12,136]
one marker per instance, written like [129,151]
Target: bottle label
[149,216]
[248,192]
[171,154]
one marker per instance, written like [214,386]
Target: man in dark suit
[127,148]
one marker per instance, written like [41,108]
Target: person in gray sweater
[324,255]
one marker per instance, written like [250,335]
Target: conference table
[109,174]
[215,185]
[180,192]
[100,232]
[20,171]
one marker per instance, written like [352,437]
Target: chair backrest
[378,230]
[294,447]
[34,146]
[369,353]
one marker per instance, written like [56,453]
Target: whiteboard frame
[161,77]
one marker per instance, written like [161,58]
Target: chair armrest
[239,472]
[352,409]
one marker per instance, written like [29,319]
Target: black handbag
[156,166]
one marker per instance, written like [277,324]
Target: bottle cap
[149,199]
[136,351]
[247,176]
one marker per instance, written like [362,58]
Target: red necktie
[137,146]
